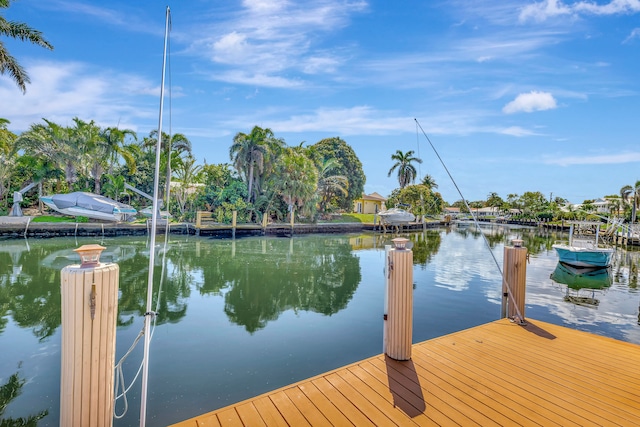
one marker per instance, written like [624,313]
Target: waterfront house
[369,203]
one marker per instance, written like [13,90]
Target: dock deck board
[498,374]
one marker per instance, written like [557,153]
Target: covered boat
[396,216]
[89,205]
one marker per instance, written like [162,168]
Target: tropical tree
[429,182]
[348,165]
[330,185]
[297,178]
[54,143]
[114,187]
[90,148]
[421,199]
[172,149]
[187,173]
[631,194]
[20,31]
[7,156]
[494,201]
[406,171]
[115,140]
[248,153]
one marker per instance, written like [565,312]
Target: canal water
[238,318]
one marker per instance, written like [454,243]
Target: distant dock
[497,374]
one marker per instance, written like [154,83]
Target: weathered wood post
[89,310]
[514,280]
[293,216]
[265,219]
[234,221]
[399,320]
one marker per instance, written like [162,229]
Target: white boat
[584,248]
[396,216]
[89,205]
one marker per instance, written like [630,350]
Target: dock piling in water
[399,320]
[89,310]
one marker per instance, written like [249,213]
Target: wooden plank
[289,411]
[346,407]
[229,418]
[312,414]
[323,404]
[250,415]
[494,374]
[269,413]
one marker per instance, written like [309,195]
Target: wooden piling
[514,280]
[399,321]
[234,222]
[89,309]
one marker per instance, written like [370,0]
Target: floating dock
[497,374]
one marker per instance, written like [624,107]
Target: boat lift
[145,195]
[17,199]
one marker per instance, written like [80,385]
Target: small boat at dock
[396,216]
[584,248]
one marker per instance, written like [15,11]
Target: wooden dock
[498,374]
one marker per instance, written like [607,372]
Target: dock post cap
[400,243]
[89,254]
[517,243]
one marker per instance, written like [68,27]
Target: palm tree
[248,153]
[52,142]
[406,171]
[628,192]
[116,145]
[330,185]
[172,149]
[429,182]
[21,31]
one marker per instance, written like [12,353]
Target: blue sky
[515,95]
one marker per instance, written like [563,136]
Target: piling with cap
[514,280]
[399,319]
[89,310]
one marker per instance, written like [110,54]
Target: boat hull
[584,257]
[396,216]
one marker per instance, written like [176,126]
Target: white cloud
[529,102]
[61,91]
[604,159]
[517,131]
[543,10]
[635,33]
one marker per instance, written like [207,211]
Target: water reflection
[277,310]
[9,391]
[582,283]
[317,275]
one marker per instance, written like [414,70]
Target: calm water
[240,318]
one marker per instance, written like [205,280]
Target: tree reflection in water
[262,278]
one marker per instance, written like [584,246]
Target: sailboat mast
[154,220]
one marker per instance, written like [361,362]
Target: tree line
[264,175]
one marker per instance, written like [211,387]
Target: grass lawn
[351,217]
[51,218]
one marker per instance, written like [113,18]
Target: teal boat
[584,248]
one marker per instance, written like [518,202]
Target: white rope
[119,381]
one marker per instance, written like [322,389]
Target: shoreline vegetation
[264,177]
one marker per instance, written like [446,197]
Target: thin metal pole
[154,220]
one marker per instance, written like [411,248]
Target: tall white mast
[154,220]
